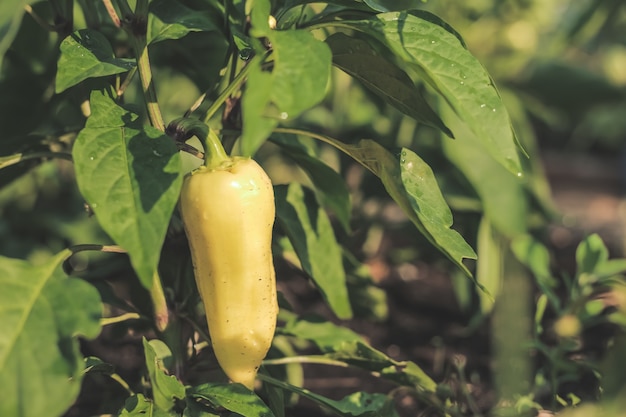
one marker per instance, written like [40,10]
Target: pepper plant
[111,103]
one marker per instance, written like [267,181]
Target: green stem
[214,151]
[147,84]
[7,161]
[230,89]
[118,319]
[112,13]
[322,360]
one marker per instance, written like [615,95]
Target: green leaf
[503,196]
[412,185]
[359,59]
[165,388]
[327,336]
[171,20]
[130,176]
[87,54]
[41,313]
[256,126]
[361,404]
[330,187]
[233,397]
[427,202]
[312,236]
[11,13]
[362,355]
[535,256]
[296,83]
[591,253]
[442,61]
[342,344]
[139,406]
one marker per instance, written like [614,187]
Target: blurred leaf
[172,20]
[312,236]
[41,313]
[357,58]
[394,5]
[569,88]
[330,187]
[412,184]
[591,253]
[98,366]
[610,268]
[165,388]
[11,13]
[489,266]
[87,54]
[130,176]
[443,62]
[296,82]
[327,336]
[502,194]
[535,256]
[232,397]
[139,406]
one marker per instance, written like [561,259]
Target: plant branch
[118,319]
[7,161]
[47,26]
[147,83]
[322,360]
[112,13]
[230,89]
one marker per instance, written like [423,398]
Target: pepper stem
[214,153]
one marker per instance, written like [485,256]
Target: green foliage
[386,91]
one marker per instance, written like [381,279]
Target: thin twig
[112,13]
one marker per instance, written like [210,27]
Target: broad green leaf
[412,185]
[489,265]
[171,20]
[330,187]
[359,59]
[427,202]
[86,53]
[297,82]
[232,397]
[41,313]
[139,406]
[256,126]
[312,236]
[442,61]
[130,176]
[11,13]
[590,254]
[165,388]
[504,199]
